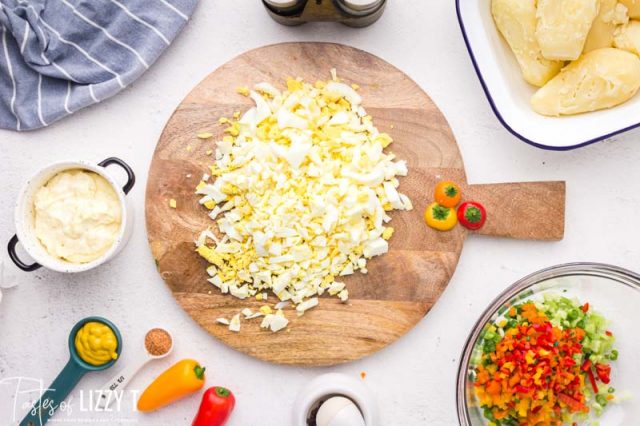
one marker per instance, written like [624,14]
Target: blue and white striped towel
[58,56]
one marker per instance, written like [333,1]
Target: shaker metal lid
[283,3]
[361,5]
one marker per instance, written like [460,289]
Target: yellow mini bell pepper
[183,378]
[440,217]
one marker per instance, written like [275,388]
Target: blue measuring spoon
[69,377]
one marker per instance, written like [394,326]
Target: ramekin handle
[131,177]
[11,247]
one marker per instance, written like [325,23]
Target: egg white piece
[339,411]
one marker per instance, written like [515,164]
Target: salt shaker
[355,13]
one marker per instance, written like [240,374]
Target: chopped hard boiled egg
[301,194]
[306,305]
[235,323]
[205,135]
[274,322]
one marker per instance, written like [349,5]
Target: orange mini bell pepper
[447,194]
[183,378]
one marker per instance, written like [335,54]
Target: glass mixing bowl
[610,290]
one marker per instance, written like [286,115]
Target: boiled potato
[563,26]
[516,21]
[610,16]
[628,37]
[633,6]
[600,79]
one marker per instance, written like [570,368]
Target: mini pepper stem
[223,392]
[199,370]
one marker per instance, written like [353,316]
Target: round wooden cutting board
[401,286]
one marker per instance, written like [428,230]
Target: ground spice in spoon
[157,341]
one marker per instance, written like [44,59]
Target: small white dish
[24,217]
[509,94]
[334,384]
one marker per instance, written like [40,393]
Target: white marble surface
[414,379]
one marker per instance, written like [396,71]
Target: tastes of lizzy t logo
[30,396]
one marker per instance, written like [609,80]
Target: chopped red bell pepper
[603,371]
[592,379]
[573,404]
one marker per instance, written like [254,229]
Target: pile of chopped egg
[300,194]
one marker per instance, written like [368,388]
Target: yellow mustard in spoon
[96,343]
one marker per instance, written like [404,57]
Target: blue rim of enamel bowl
[506,125]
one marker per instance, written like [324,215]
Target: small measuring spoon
[69,377]
[122,379]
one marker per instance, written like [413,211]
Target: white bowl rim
[499,116]
[47,172]
[602,270]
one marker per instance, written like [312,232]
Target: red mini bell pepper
[215,408]
[472,215]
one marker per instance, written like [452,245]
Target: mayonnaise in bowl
[73,216]
[77,216]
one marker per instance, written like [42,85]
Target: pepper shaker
[354,13]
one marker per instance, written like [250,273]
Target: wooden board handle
[525,211]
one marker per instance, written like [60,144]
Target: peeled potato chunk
[516,21]
[600,79]
[563,26]
[633,6]
[604,26]
[628,37]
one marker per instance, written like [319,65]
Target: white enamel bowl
[509,94]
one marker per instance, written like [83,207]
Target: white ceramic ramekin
[24,217]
